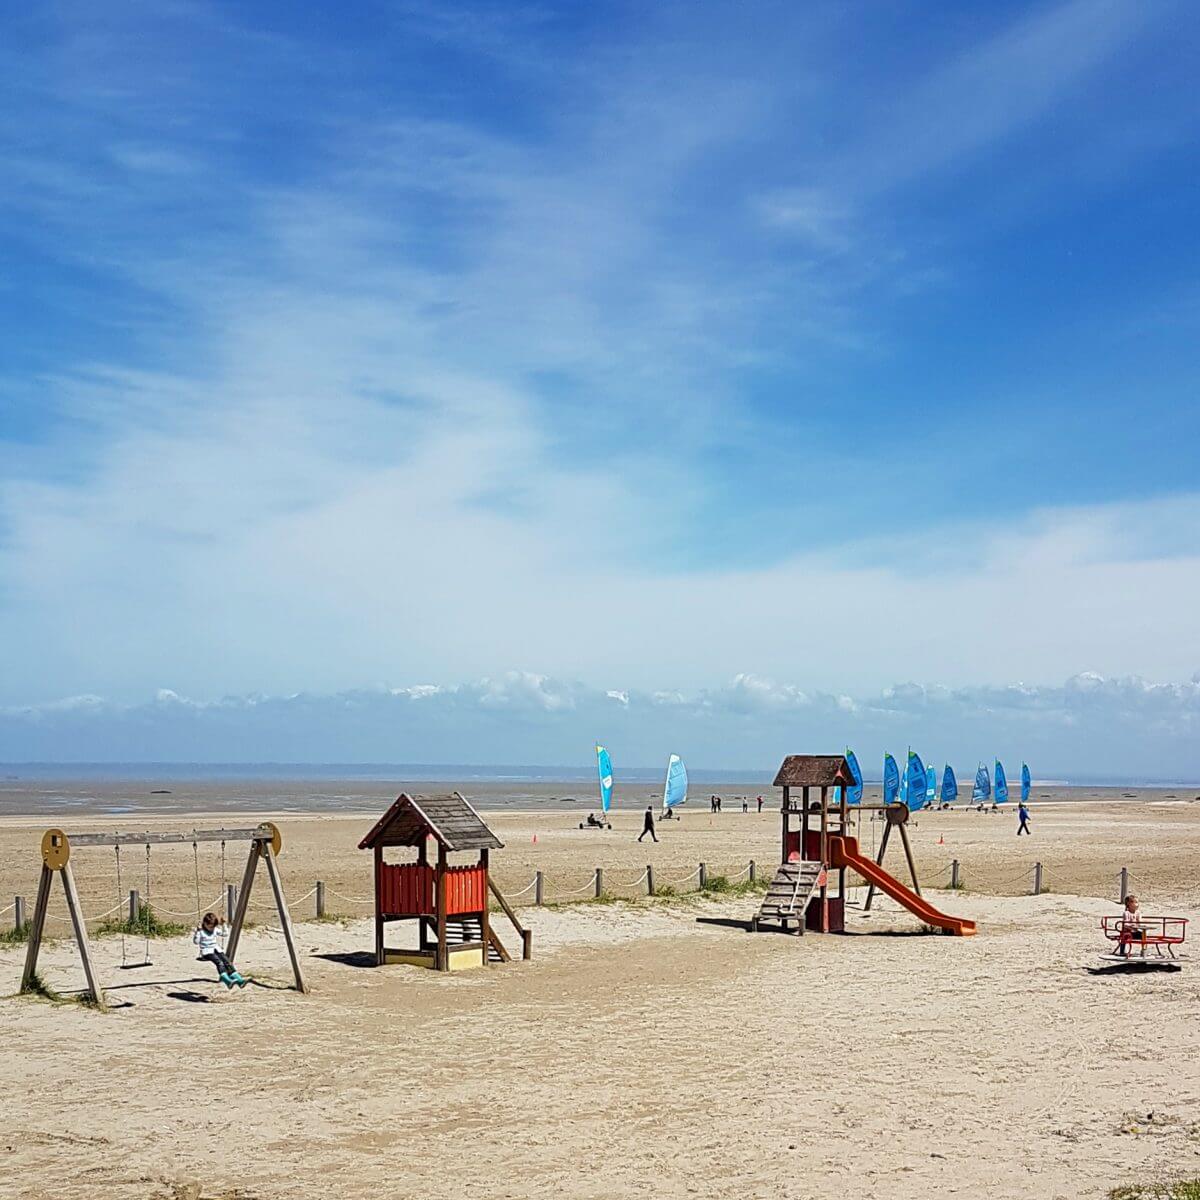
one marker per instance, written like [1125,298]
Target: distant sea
[94,789]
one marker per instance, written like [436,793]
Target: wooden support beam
[380,952]
[81,936]
[39,924]
[484,925]
[443,950]
[285,918]
[257,834]
[912,866]
[243,902]
[887,829]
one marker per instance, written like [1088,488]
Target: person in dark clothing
[760,804]
[1023,818]
[648,824]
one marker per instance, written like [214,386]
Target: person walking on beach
[760,804]
[745,805]
[1023,818]
[648,824]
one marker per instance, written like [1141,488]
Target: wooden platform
[789,894]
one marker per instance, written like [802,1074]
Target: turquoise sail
[675,788]
[1026,782]
[604,766]
[891,779]
[930,785]
[1001,783]
[854,795]
[983,785]
[916,776]
[949,785]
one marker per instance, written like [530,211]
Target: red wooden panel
[465,889]
[406,890]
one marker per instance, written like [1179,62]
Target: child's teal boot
[226,980]
[239,979]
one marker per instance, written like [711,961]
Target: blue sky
[633,347]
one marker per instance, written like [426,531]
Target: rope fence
[601,883]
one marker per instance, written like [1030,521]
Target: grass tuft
[39,987]
[17,935]
[1179,1189]
[146,924]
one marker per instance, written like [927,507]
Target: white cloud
[1089,727]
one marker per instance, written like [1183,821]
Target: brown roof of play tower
[814,770]
[450,819]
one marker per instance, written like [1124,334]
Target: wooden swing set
[265,843]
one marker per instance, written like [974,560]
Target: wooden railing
[526,934]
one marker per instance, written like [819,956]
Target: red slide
[843,852]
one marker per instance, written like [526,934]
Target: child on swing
[207,932]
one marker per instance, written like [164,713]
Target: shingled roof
[450,819]
[815,770]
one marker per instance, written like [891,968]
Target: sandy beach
[651,1047]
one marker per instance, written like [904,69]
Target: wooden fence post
[19,913]
[135,906]
[752,870]
[955,882]
[1124,883]
[320,898]
[1037,879]
[703,877]
[649,879]
[599,881]
[538,892]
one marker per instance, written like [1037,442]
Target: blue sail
[916,777]
[949,785]
[930,785]
[891,779]
[675,788]
[1026,782]
[604,766]
[983,785]
[1001,783]
[854,794]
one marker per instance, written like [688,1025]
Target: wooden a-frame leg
[285,919]
[380,952]
[912,866]
[879,863]
[39,924]
[235,932]
[81,937]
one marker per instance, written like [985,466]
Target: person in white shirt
[206,935]
[1132,929]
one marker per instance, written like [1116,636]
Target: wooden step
[789,892]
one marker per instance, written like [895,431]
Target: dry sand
[649,1049]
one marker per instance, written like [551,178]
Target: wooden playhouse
[449,903]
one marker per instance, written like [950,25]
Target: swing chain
[144,911]
[121,900]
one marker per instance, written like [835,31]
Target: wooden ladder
[789,894]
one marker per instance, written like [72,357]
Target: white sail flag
[675,787]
